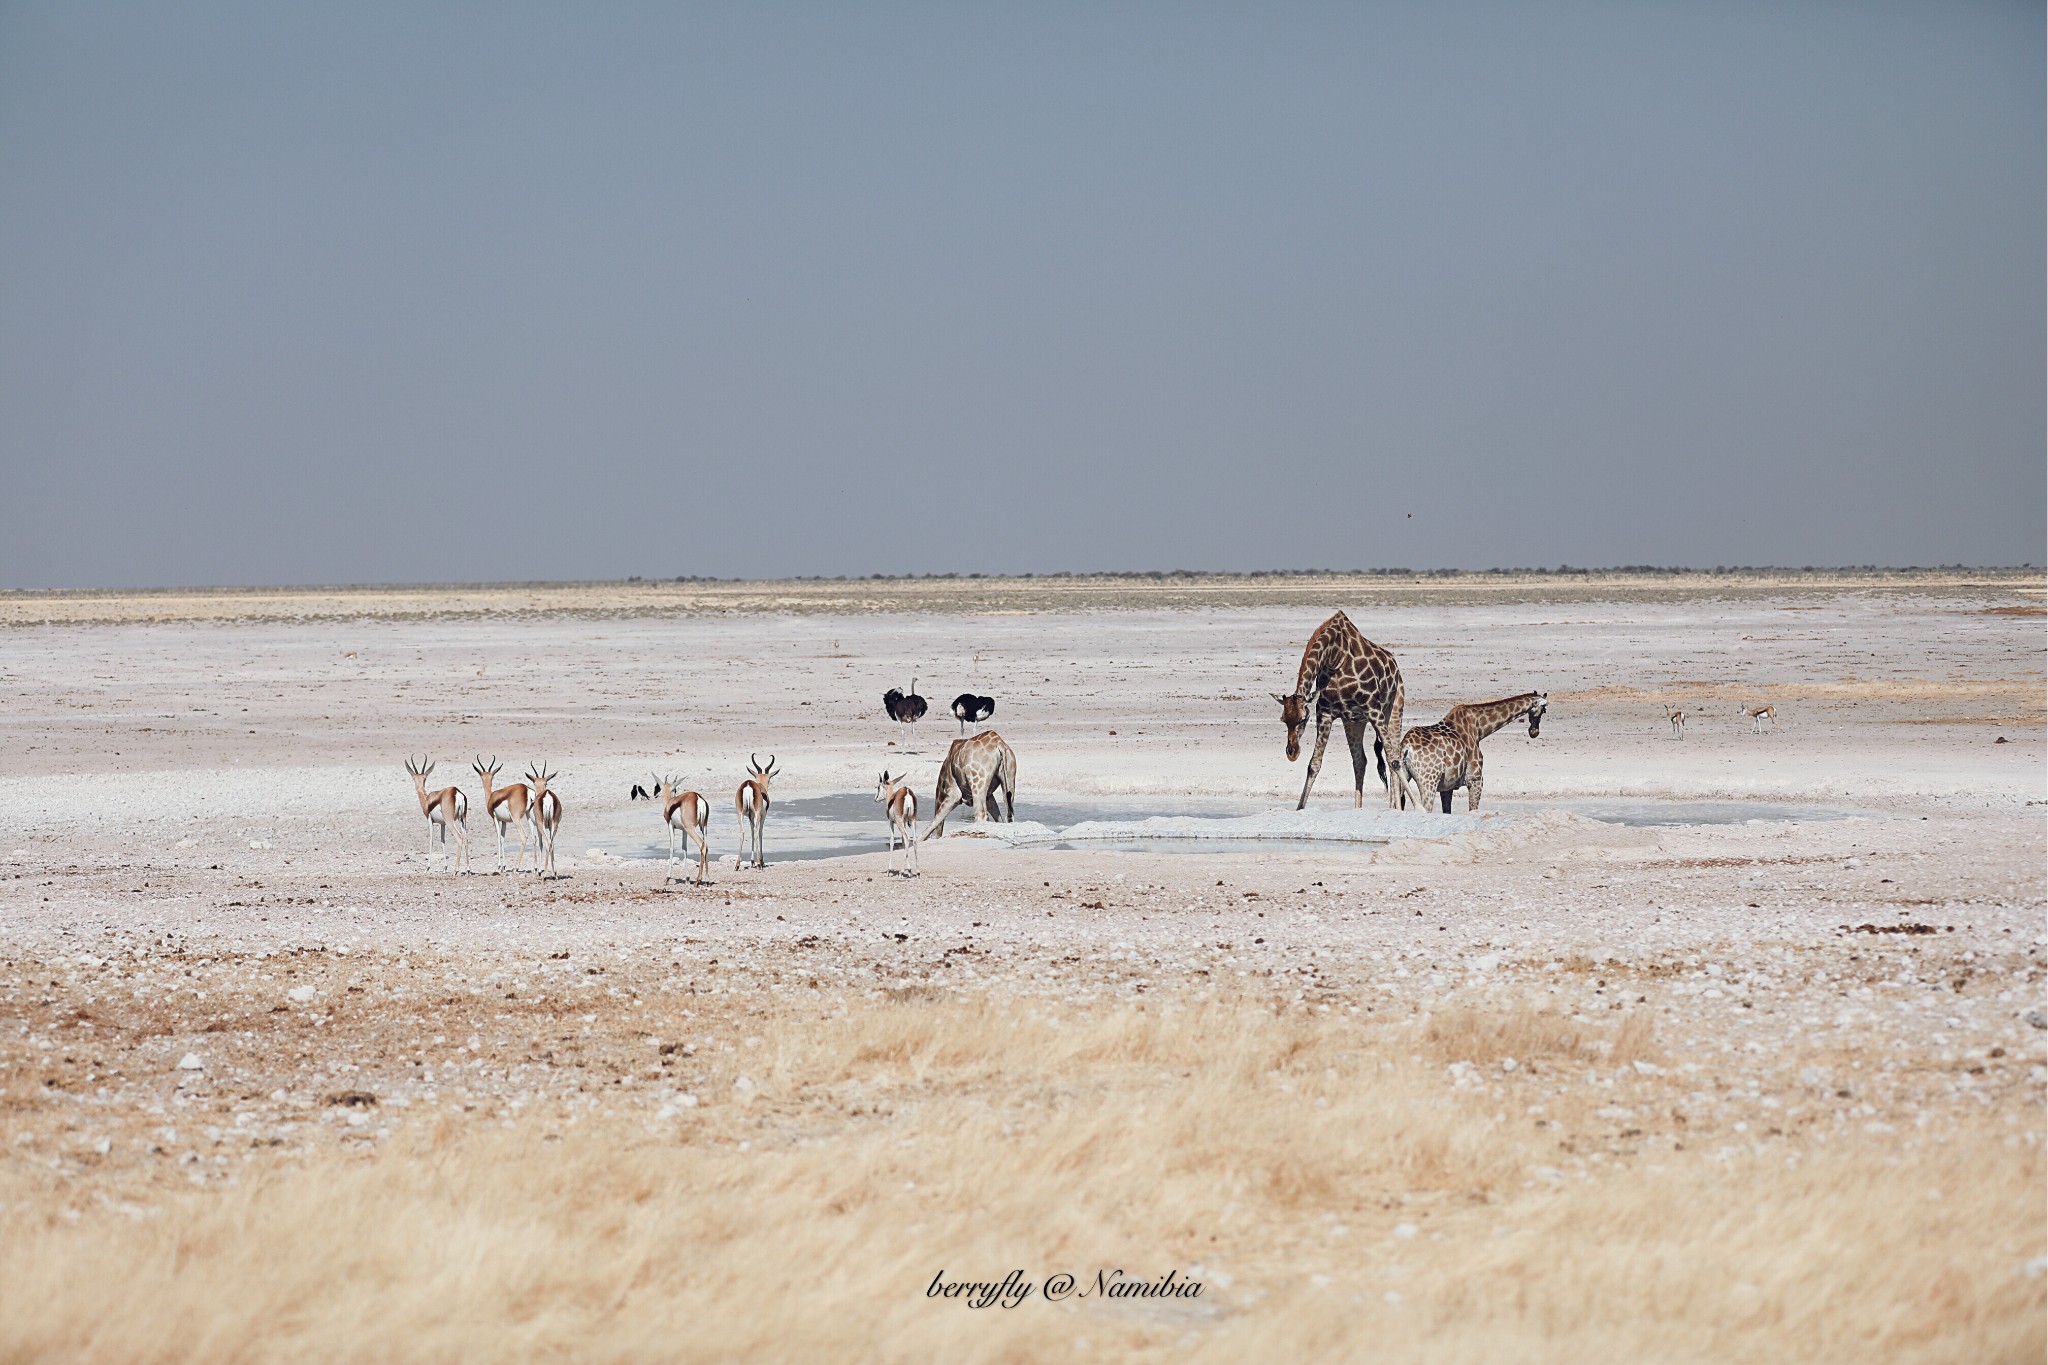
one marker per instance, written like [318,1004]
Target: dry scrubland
[1744,1092]
[1333,1190]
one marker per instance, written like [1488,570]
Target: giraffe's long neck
[1488,716]
[1308,681]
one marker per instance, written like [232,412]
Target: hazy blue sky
[376,292]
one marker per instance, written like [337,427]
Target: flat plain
[1725,1047]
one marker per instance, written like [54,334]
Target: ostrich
[969,709]
[904,707]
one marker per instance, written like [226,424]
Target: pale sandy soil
[205,816]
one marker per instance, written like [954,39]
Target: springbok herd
[1343,677]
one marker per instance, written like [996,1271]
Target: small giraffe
[1677,719]
[1346,677]
[1758,715]
[1445,756]
[975,769]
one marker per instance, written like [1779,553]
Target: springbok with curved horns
[901,804]
[547,818]
[511,805]
[751,801]
[444,809]
[687,814]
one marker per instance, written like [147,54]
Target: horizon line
[1111,575]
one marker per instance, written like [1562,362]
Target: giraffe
[1445,756]
[975,768]
[1348,678]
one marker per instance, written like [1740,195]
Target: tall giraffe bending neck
[1346,677]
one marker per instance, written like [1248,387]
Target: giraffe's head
[1536,711]
[1294,715]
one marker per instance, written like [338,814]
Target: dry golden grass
[1342,1198]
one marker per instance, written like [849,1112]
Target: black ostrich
[904,707]
[969,709]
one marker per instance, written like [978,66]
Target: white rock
[1509,1064]
[1648,1069]
[743,1084]
[103,1146]
[259,843]
[1405,1229]
[190,1062]
[301,995]
[1486,963]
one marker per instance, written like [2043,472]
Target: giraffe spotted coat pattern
[1443,757]
[1346,677]
[976,768]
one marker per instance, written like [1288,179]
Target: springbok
[751,801]
[901,804]
[443,808]
[547,818]
[511,805]
[687,814]
[1758,715]
[1677,719]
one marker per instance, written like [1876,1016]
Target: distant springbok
[547,818]
[751,801]
[511,805]
[1758,715]
[689,815]
[901,804]
[1677,719]
[444,808]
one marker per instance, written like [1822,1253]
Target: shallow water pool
[847,823]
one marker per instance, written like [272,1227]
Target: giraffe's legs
[1315,759]
[1473,781]
[1354,735]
